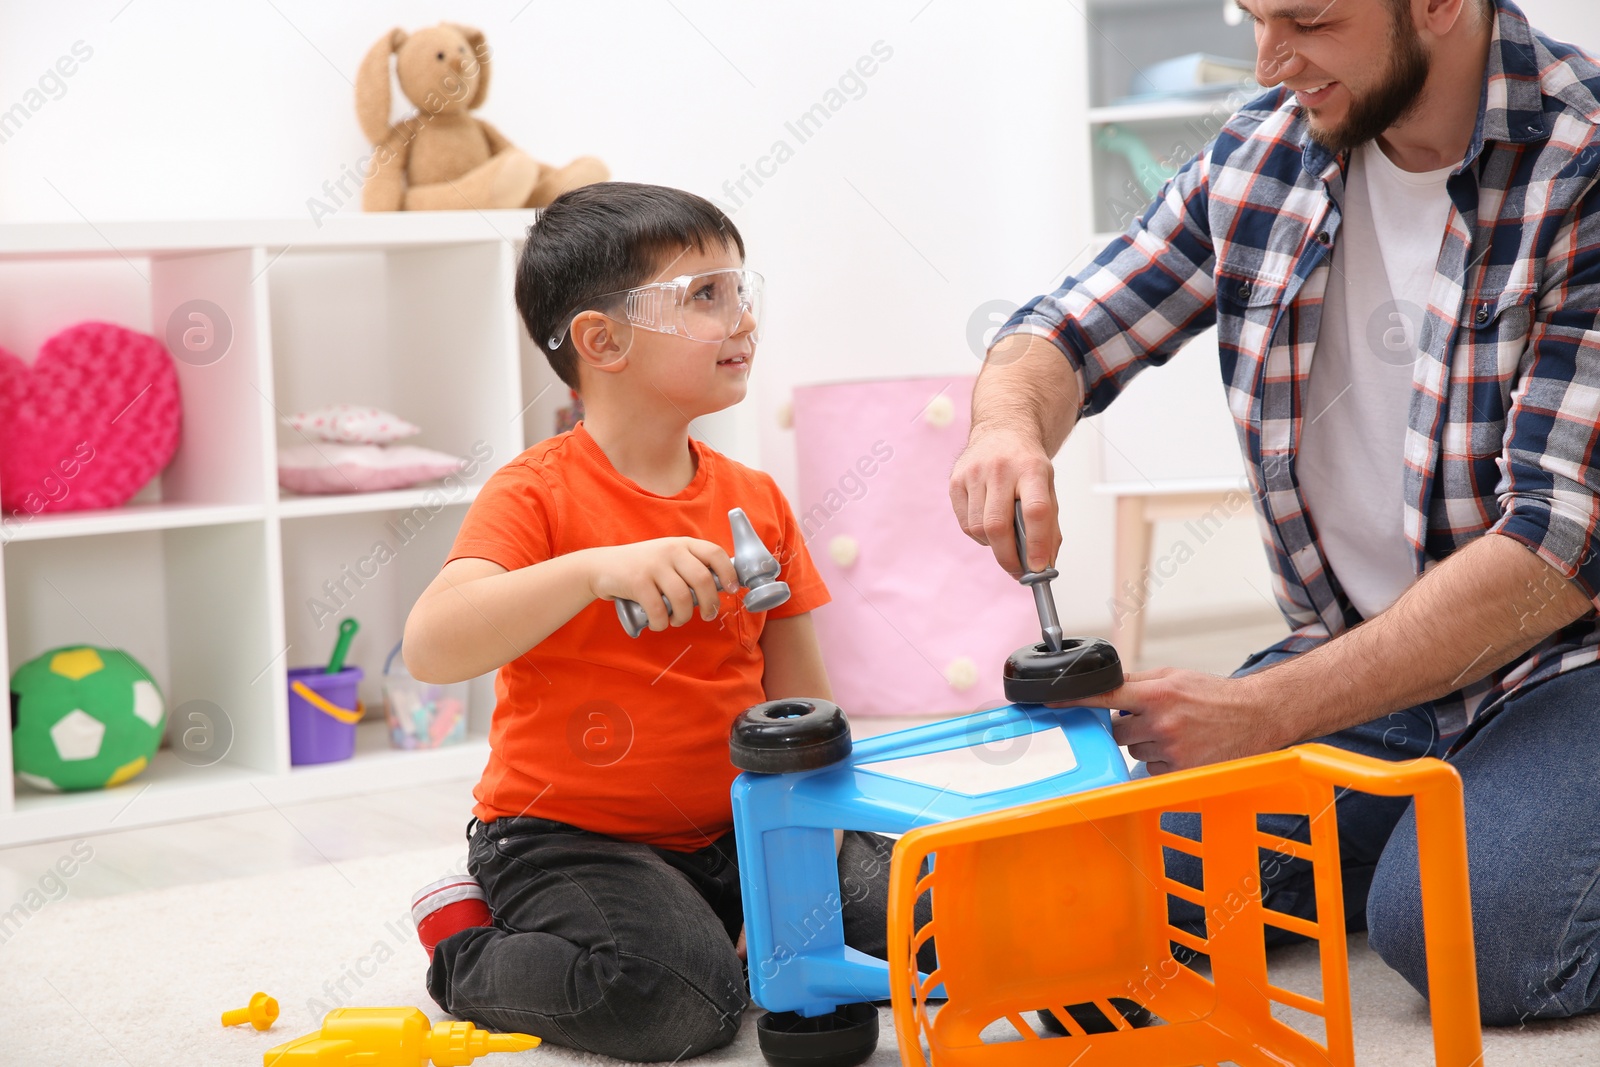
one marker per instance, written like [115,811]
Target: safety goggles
[701,307]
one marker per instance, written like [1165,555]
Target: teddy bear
[440,157]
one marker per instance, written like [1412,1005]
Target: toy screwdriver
[391,1037]
[1039,582]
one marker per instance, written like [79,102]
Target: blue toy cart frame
[788,871]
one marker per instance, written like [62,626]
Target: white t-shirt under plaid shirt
[1352,450]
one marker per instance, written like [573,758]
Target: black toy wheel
[1084,666]
[1090,1019]
[782,736]
[843,1038]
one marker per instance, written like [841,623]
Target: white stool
[1140,505]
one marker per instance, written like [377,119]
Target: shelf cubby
[370,566]
[428,333]
[192,606]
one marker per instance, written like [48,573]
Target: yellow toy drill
[391,1037]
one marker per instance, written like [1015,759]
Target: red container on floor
[323,712]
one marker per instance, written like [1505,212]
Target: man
[1399,245]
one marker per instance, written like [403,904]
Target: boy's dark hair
[602,238]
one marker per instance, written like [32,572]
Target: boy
[602,838]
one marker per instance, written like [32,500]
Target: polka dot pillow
[351,425]
[338,468]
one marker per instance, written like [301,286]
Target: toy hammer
[756,567]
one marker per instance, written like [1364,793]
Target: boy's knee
[652,1013]
[618,1004]
[864,864]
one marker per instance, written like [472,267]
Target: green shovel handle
[341,647]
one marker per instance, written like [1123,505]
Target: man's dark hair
[603,238]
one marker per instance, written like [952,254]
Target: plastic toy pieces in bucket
[420,714]
[323,712]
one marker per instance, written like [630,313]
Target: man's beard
[1395,97]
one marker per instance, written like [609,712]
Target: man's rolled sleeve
[1549,491]
[1145,295]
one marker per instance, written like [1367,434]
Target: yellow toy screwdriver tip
[452,1043]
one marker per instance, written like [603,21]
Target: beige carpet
[141,978]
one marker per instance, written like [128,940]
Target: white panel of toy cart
[984,765]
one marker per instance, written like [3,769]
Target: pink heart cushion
[93,419]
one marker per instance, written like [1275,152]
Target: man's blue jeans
[1531,779]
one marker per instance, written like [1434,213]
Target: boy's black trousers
[621,948]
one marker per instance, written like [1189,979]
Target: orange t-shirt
[626,737]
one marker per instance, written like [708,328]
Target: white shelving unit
[1183,401]
[215,579]
[1127,36]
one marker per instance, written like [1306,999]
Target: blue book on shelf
[1196,74]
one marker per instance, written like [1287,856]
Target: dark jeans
[620,948]
[1533,850]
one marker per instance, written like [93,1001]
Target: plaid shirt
[1505,409]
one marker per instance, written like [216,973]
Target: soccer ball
[84,718]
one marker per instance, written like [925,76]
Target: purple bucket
[323,711]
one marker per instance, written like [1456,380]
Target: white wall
[947,181]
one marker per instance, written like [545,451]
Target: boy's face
[694,377]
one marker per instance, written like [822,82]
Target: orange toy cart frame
[1063,904]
